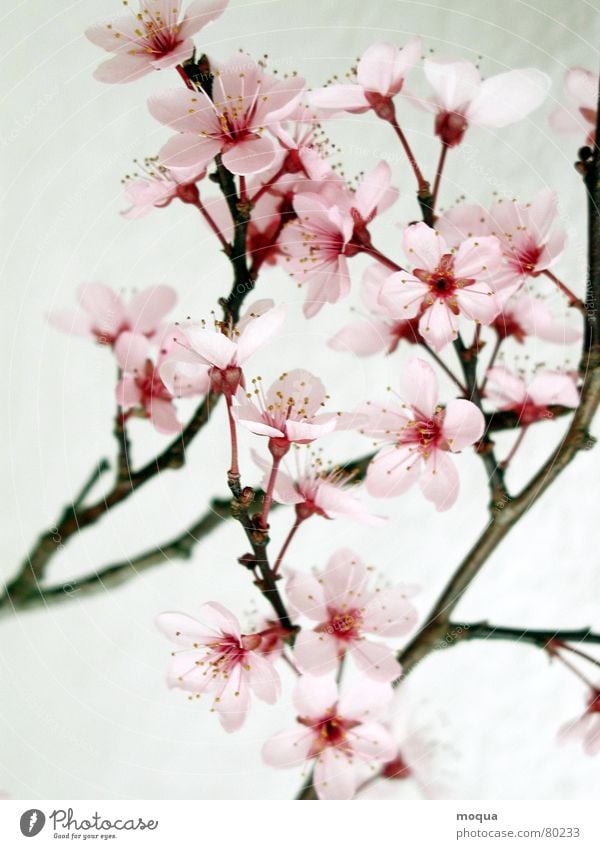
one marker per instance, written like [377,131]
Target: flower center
[344,624]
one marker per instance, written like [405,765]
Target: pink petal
[187,151]
[315,696]
[186,631]
[305,432]
[505,387]
[420,387]
[122,69]
[233,700]
[455,83]
[334,776]
[365,699]
[463,222]
[506,98]
[478,303]
[372,742]
[286,490]
[252,156]
[339,503]
[115,36]
[402,295]
[382,66]
[376,660]
[347,98]
[208,346]
[316,653]
[71,321]
[288,748]
[344,579]
[263,678]
[554,388]
[105,307]
[390,613]
[372,189]
[305,594]
[146,310]
[478,257]
[163,415]
[362,338]
[392,471]
[132,351]
[463,424]
[186,111]
[127,393]
[305,389]
[423,246]
[439,480]
[200,13]
[257,332]
[175,56]
[372,284]
[438,325]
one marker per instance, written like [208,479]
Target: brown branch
[538,637]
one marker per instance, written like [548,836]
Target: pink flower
[143,387]
[218,658]
[225,349]
[422,433]
[461,98]
[380,75]
[580,115]
[530,400]
[105,315]
[151,39]
[585,728]
[246,101]
[158,187]
[523,315]
[339,731]
[445,285]
[318,492]
[346,610]
[381,332]
[331,226]
[529,240]
[301,152]
[288,412]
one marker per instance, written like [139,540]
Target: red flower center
[343,624]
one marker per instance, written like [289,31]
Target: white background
[85,712]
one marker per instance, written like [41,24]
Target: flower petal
[464,424]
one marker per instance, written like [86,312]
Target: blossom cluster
[455,274]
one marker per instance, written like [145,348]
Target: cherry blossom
[219,659]
[524,315]
[380,75]
[104,315]
[420,434]
[346,610]
[317,491]
[381,332]
[225,348]
[461,98]
[288,411]
[246,101]
[339,731]
[151,39]
[301,151]
[142,386]
[586,728]
[331,226]
[580,116]
[530,399]
[158,187]
[444,285]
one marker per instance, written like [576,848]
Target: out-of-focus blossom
[580,115]
[288,412]
[246,101]
[104,314]
[530,399]
[420,435]
[444,284]
[317,491]
[142,387]
[586,728]
[380,75]
[224,349]
[381,332]
[340,732]
[524,315]
[217,658]
[347,610]
[153,38]
[461,98]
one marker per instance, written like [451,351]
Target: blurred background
[85,712]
